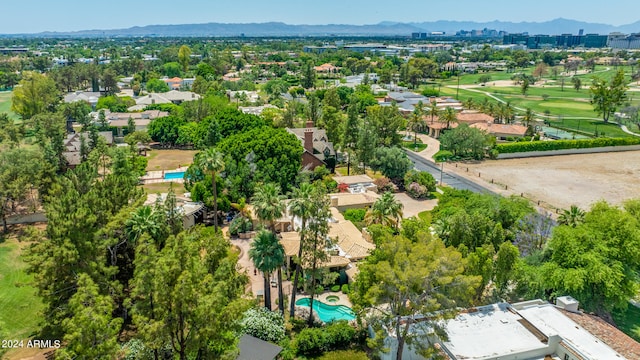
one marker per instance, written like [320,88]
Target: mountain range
[552,27]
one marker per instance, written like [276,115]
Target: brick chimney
[308,140]
[309,124]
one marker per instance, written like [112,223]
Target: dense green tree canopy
[35,94]
[597,261]
[465,142]
[403,280]
[392,162]
[165,129]
[263,154]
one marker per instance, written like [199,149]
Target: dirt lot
[169,159]
[562,181]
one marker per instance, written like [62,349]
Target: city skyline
[67,15]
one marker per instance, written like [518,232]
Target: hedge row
[564,144]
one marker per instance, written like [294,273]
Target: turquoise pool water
[328,313]
[174,175]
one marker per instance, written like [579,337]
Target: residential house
[326,69]
[72,144]
[350,244]
[476,120]
[87,96]
[256,110]
[121,120]
[243,95]
[529,330]
[502,131]
[171,97]
[176,83]
[357,183]
[318,150]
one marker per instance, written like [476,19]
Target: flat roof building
[530,330]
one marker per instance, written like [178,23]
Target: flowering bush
[263,324]
[385,185]
[417,191]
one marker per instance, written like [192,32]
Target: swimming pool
[328,313]
[174,175]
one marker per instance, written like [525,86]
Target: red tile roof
[606,332]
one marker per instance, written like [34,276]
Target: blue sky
[29,16]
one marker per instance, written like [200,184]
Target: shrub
[419,184]
[319,289]
[355,215]
[311,342]
[263,324]
[240,224]
[428,92]
[385,185]
[564,144]
[345,289]
[417,191]
[337,335]
[342,187]
[335,288]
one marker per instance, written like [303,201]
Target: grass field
[5,104]
[169,159]
[417,148]
[629,321]
[155,188]
[568,109]
[19,304]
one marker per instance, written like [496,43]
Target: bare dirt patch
[169,159]
[562,181]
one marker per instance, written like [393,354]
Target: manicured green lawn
[629,321]
[419,146]
[569,92]
[344,355]
[19,304]
[5,104]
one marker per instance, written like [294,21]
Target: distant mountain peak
[384,28]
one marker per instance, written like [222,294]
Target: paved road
[450,179]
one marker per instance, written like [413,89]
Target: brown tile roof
[474,117]
[290,240]
[348,237]
[501,129]
[441,125]
[606,332]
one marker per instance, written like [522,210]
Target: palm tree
[386,211]
[572,217]
[415,121]
[449,116]
[243,208]
[301,207]
[144,220]
[212,160]
[528,117]
[433,111]
[469,103]
[269,206]
[267,255]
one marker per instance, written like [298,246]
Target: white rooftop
[551,322]
[491,331]
[524,331]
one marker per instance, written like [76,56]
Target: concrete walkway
[625,129]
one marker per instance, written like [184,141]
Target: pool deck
[153,177]
[343,299]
